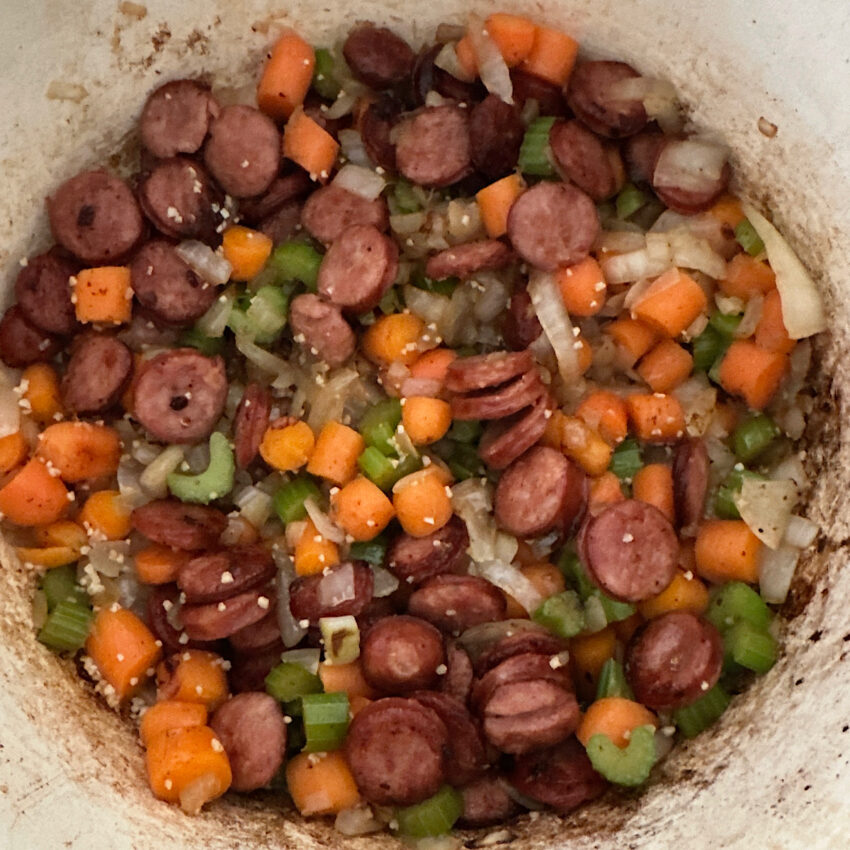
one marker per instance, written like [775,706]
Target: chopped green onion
[195,338]
[211,484]
[724,501]
[753,436]
[60,584]
[404,197]
[707,348]
[297,261]
[725,323]
[371,551]
[67,626]
[465,431]
[377,467]
[378,425]
[737,602]
[325,721]
[289,499]
[289,681]
[748,238]
[628,766]
[341,638]
[626,459]
[562,614]
[701,714]
[268,311]
[434,816]
[325,83]
[534,155]
[612,681]
[750,647]
[629,201]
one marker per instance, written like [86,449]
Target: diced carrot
[425,419]
[313,552]
[682,594]
[605,412]
[107,514]
[393,339]
[582,287]
[246,250]
[104,295]
[525,555]
[589,652]
[65,532]
[433,365]
[321,783]
[514,36]
[33,496]
[726,550]
[421,503]
[170,714]
[123,648]
[335,454]
[356,704]
[495,202]
[42,393]
[47,556]
[362,509]
[309,145]
[157,564]
[584,445]
[13,452]
[584,354]
[666,366]
[552,56]
[672,302]
[653,484]
[466,57]
[346,677]
[771,333]
[193,675]
[287,447]
[80,450]
[752,373]
[605,489]
[287,76]
[746,277]
[615,717]
[657,418]
[727,210]
[634,338]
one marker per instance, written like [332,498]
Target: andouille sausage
[495,136]
[98,371]
[481,371]
[358,268]
[283,190]
[43,293]
[167,287]
[216,620]
[321,328]
[541,491]
[486,802]
[283,223]
[396,749]
[525,667]
[686,198]
[331,210]
[176,118]
[531,639]
[95,216]
[433,147]
[143,333]
[465,260]
[549,97]
[401,654]
[179,525]
[520,325]
[552,225]
[454,603]
[673,660]
[248,670]
[22,343]
[243,151]
[582,158]
[505,440]
[414,559]
[500,402]
[641,153]
[345,589]
[180,395]
[259,636]
[213,576]
[457,681]
[593,97]
[377,56]
[253,733]
[376,130]
[250,423]
[690,481]
[630,550]
[163,616]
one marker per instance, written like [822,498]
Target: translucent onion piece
[693,165]
[10,410]
[360,181]
[209,265]
[492,68]
[447,61]
[337,587]
[776,571]
[352,148]
[751,318]
[555,321]
[323,523]
[766,506]
[154,476]
[384,583]
[308,658]
[291,631]
[801,532]
[214,321]
[509,579]
[358,820]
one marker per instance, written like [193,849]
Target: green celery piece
[325,82]
[290,681]
[465,431]
[60,584]
[405,197]
[211,484]
[209,346]
[534,153]
[377,467]
[371,551]
[626,459]
[701,714]
[296,260]
[725,323]
[724,501]
[629,766]
[750,647]
[612,681]
[67,626]
[748,238]
[326,719]
[707,347]
[629,201]
[753,436]
[434,816]
[562,614]
[378,425]
[734,602]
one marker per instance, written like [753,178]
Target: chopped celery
[60,584]
[378,424]
[377,467]
[195,338]
[748,238]
[465,462]
[627,459]
[628,766]
[614,610]
[434,816]
[570,565]
[753,436]
[211,484]
[268,310]
[707,348]
[297,261]
[325,721]
[612,681]
[289,681]
[67,626]
[725,323]
[325,82]
[371,551]
[465,431]
[750,647]
[341,639]
[404,197]
[562,614]
[701,714]
[290,497]
[724,501]
[534,155]
[737,602]
[592,597]
[629,201]
[243,326]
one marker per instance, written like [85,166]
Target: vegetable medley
[416,438]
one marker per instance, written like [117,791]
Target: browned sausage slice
[592,95]
[282,224]
[520,326]
[343,590]
[486,802]
[673,660]
[458,679]
[98,371]
[178,525]
[582,158]
[248,671]
[163,616]
[377,56]
[631,551]
[284,190]
[180,395]
[413,559]
[486,370]
[505,440]
[690,481]
[321,328]
[95,216]
[641,152]
[331,210]
[176,118]
[376,130]
[549,97]
[401,654]
[243,151]
[454,603]
[495,136]
[22,343]
[432,147]
[553,224]
[216,620]
[396,750]
[465,260]
[250,423]
[214,576]
[504,401]
[43,292]
[259,636]
[253,733]
[359,267]
[532,639]
[692,191]
[428,77]
[519,668]
[167,287]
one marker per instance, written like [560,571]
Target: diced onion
[254,505]
[308,658]
[491,302]
[492,67]
[406,223]
[800,532]
[766,506]
[214,321]
[699,400]
[694,252]
[384,583]
[358,820]
[328,400]
[776,571]
[344,103]
[472,502]
[463,219]
[337,587]
[555,321]
[595,617]
[352,148]
[328,529]
[154,477]
[209,265]
[447,61]
[291,631]
[619,241]
[286,375]
[509,579]
[751,318]
[658,96]
[109,557]
[360,181]
[693,165]
[792,467]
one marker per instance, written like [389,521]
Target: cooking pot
[774,771]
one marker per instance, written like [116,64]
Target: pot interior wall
[71,772]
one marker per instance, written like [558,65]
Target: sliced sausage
[593,97]
[95,216]
[250,423]
[248,671]
[531,639]
[163,616]
[243,151]
[343,590]
[282,224]
[98,371]
[641,153]
[457,682]
[376,130]
[252,731]
[428,77]
[503,401]
[495,136]
[180,395]
[216,620]
[465,260]
[481,371]
[179,525]
[43,293]
[454,603]
[549,97]
[690,481]
[176,118]
[22,343]
[505,440]
[167,287]
[520,325]
[541,491]
[359,267]
[486,802]
[142,333]
[396,749]
[519,668]
[553,224]
[401,654]
[414,559]
[331,210]
[213,576]
[321,328]
[178,197]
[259,636]
[433,148]
[673,660]
[561,777]
[284,190]
[631,551]
[682,181]
[377,56]
[582,158]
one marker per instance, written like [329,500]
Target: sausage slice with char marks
[414,559]
[486,802]
[322,329]
[98,371]
[519,668]
[582,158]
[250,423]
[176,118]
[329,594]
[401,654]
[495,136]
[593,97]
[169,522]
[163,616]
[43,293]
[377,56]
[331,210]
[376,129]
[454,603]
[259,636]
[503,401]
[481,371]
[465,260]
[531,639]
[22,343]
[214,576]
[216,620]
[505,440]
[433,146]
